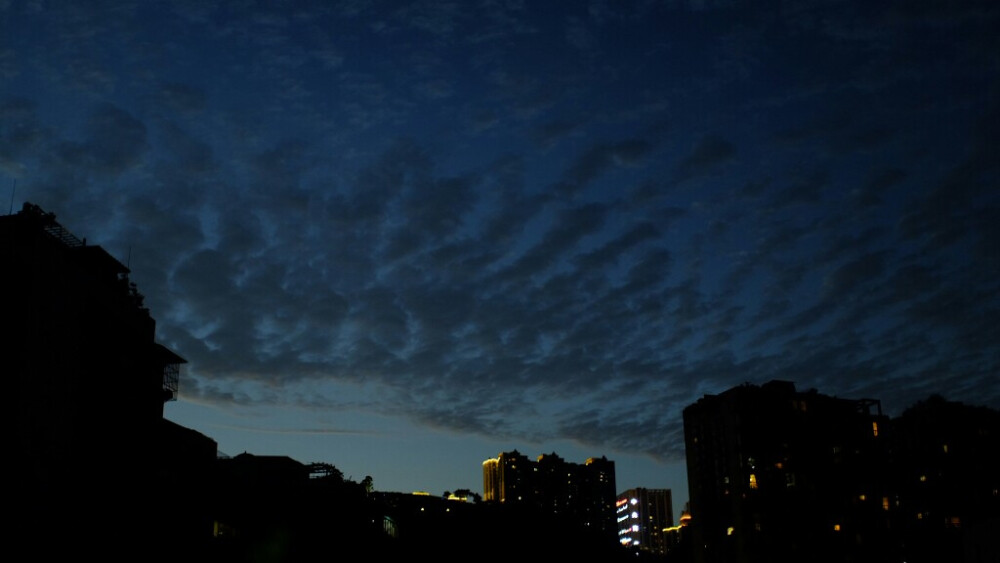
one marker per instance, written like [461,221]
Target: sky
[402,237]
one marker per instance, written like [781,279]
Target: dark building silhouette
[571,495]
[946,464]
[776,474]
[274,508]
[88,383]
[642,515]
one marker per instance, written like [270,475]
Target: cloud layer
[526,222]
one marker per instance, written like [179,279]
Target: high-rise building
[86,384]
[947,479]
[577,494]
[642,516]
[508,478]
[775,474]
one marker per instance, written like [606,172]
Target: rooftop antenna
[13,186]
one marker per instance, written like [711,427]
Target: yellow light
[862,497]
[874,429]
[753,481]
[885,503]
[729,531]
[836,527]
[944,447]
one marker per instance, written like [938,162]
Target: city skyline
[401,238]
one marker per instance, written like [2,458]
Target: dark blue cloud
[524,221]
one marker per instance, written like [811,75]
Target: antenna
[13,186]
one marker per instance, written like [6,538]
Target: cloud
[303,206]
[710,152]
[114,142]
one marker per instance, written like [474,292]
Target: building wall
[642,515]
[86,378]
[579,495]
[775,474]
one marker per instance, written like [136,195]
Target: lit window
[753,481]
[635,515]
[874,429]
[944,447]
[729,531]
[885,503]
[923,478]
[836,527]
[635,527]
[862,497]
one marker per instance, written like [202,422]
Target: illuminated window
[753,481]
[923,478]
[885,503]
[836,527]
[862,497]
[944,447]
[635,515]
[729,531]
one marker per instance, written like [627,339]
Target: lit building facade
[508,478]
[775,474]
[642,515]
[577,494]
[947,478]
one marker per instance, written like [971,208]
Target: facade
[88,383]
[576,494]
[947,482]
[642,515]
[508,478]
[775,474]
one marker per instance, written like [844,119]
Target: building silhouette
[571,495]
[775,474]
[88,382]
[946,471]
[642,515]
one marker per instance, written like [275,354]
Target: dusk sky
[402,237]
